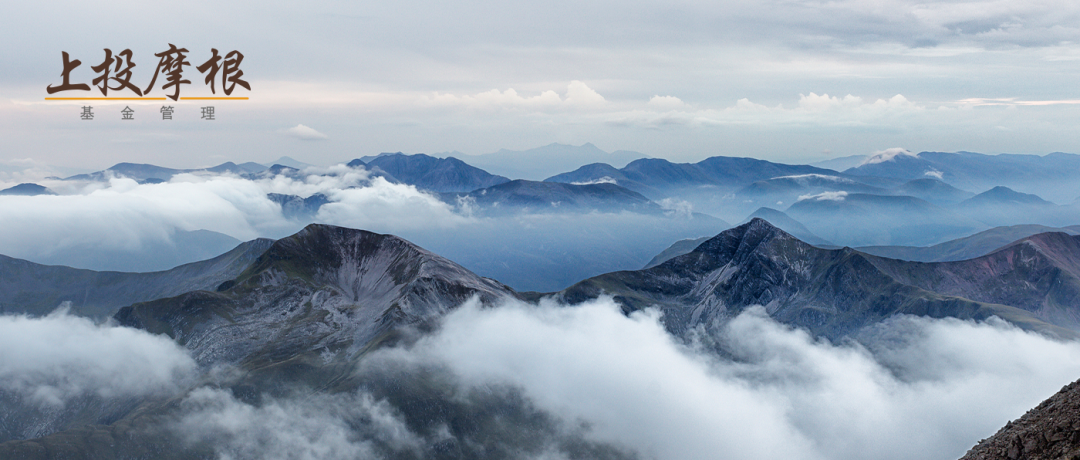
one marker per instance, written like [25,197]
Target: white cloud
[920,392]
[54,359]
[675,207]
[578,93]
[602,180]
[305,133]
[825,102]
[315,427]
[882,156]
[825,196]
[667,103]
[386,207]
[124,215]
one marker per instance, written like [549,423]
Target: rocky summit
[835,293]
[325,291]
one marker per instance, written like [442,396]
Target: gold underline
[213,98]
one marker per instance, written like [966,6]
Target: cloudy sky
[793,81]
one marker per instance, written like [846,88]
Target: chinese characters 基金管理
[115,72]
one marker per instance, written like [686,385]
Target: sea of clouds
[585,375]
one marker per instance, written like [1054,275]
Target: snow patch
[804,178]
[825,196]
[887,155]
[602,180]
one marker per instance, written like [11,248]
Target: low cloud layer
[123,216]
[51,360]
[585,381]
[316,427]
[925,389]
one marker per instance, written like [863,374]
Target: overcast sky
[682,80]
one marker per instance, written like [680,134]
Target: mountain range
[1052,176]
[541,162]
[835,293]
[305,311]
[439,175]
[35,289]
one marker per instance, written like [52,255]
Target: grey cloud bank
[569,375]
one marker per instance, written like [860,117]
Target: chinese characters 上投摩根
[115,72]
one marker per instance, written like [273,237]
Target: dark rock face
[326,291]
[836,292]
[1050,431]
[295,207]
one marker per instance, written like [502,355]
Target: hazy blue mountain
[807,183]
[774,217]
[27,287]
[151,255]
[1002,195]
[546,161]
[709,185]
[1002,206]
[600,173]
[969,247]
[275,170]
[27,190]
[252,167]
[784,190]
[434,174]
[728,173]
[147,173]
[549,251]
[676,249]
[1054,175]
[532,196]
[784,222]
[873,220]
[842,163]
[290,162]
[933,191]
[835,293]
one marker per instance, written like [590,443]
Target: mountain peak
[323,288]
[752,233]
[321,249]
[1002,194]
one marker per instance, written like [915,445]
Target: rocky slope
[324,292]
[829,292]
[299,318]
[1050,431]
[27,287]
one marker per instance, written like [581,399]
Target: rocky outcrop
[1050,431]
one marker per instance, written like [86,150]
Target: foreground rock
[1050,431]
